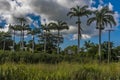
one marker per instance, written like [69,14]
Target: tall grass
[61,71]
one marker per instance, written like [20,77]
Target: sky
[45,11]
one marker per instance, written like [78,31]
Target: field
[61,71]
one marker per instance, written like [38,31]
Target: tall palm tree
[19,29]
[79,12]
[13,27]
[33,32]
[4,36]
[0,31]
[46,30]
[59,25]
[22,27]
[102,18]
[51,41]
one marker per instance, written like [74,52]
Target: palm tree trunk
[100,31]
[45,42]
[58,42]
[14,42]
[109,46]
[23,40]
[4,45]
[78,35]
[33,44]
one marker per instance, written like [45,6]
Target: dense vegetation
[86,55]
[26,57]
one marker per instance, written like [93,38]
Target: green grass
[61,71]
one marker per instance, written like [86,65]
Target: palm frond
[91,20]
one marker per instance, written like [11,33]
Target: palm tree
[102,18]
[13,27]
[0,31]
[18,28]
[22,27]
[33,32]
[79,12]
[88,44]
[59,25]
[49,40]
[4,36]
[47,30]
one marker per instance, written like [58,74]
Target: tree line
[49,42]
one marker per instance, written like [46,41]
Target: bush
[27,57]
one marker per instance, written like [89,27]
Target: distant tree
[22,27]
[72,48]
[12,30]
[46,31]
[59,25]
[105,50]
[115,53]
[33,32]
[4,37]
[51,41]
[90,49]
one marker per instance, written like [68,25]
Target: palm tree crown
[79,11]
[60,25]
[102,17]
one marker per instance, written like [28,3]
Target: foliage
[41,57]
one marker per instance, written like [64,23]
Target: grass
[61,71]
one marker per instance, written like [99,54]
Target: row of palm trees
[102,18]
[59,25]
[22,27]
[43,31]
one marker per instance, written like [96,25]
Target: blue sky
[51,10]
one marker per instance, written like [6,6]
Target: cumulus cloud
[5,29]
[84,36]
[4,5]
[110,6]
[51,10]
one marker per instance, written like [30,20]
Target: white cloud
[5,29]
[110,6]
[14,9]
[72,30]
[117,17]
[84,36]
[51,10]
